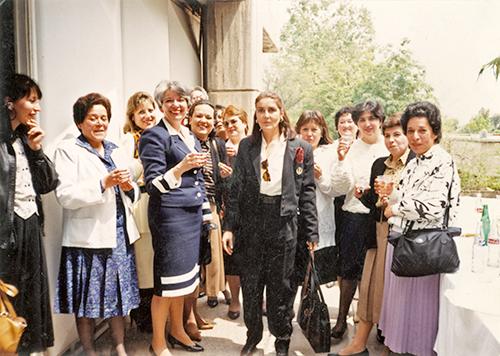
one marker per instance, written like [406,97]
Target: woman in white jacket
[332,178]
[97,275]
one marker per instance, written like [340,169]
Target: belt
[269,200]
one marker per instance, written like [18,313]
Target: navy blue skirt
[176,243]
[356,229]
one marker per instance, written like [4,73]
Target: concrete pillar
[233,43]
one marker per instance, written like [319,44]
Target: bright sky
[452,39]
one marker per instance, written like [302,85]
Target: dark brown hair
[284,125]
[392,121]
[84,103]
[318,118]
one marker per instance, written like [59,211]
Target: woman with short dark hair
[357,224]
[97,275]
[372,280]
[410,308]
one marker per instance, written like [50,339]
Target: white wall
[112,47]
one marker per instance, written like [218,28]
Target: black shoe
[380,337]
[362,353]
[281,347]
[212,302]
[191,348]
[339,334]
[233,314]
[248,349]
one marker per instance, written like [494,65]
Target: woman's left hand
[312,245]
[225,170]
[317,171]
[126,186]
[35,135]
[388,211]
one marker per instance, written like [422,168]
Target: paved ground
[228,336]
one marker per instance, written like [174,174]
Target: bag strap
[409,224]
[447,212]
[5,304]
[315,285]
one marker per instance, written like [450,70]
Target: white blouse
[335,180]
[24,198]
[274,152]
[423,191]
[360,157]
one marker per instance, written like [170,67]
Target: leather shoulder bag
[11,325]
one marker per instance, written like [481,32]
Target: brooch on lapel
[299,159]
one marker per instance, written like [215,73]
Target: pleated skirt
[410,311]
[371,288]
[176,234]
[98,283]
[27,271]
[214,271]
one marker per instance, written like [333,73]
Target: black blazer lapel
[288,176]
[255,158]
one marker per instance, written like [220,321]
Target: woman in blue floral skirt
[97,275]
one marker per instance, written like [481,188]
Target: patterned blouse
[423,191]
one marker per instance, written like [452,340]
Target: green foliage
[450,125]
[479,123]
[494,65]
[329,59]
[495,122]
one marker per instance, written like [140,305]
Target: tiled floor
[228,336]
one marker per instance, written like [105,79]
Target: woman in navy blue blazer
[273,182]
[172,160]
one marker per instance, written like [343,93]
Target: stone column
[233,43]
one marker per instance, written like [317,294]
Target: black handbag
[205,245]
[424,252]
[313,316]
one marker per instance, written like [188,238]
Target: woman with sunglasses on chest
[273,182]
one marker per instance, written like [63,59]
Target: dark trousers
[269,262]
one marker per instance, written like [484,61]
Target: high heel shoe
[362,353]
[191,348]
[212,302]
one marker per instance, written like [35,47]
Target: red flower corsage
[299,155]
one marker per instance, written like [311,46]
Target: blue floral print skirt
[99,283]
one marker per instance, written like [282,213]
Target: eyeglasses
[265,167]
[230,122]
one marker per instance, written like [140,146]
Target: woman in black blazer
[273,182]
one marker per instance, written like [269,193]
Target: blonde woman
[139,117]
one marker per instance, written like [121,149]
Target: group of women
[135,214]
